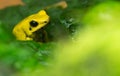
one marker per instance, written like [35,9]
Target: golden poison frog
[25,29]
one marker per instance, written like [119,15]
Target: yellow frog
[27,28]
[24,30]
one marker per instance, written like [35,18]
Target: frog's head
[37,21]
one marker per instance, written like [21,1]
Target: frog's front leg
[27,34]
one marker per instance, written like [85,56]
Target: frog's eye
[33,23]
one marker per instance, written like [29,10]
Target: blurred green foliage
[30,58]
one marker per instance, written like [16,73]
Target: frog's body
[24,30]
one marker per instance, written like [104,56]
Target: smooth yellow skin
[22,30]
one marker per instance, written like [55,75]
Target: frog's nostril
[45,22]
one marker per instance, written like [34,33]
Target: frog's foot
[28,38]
